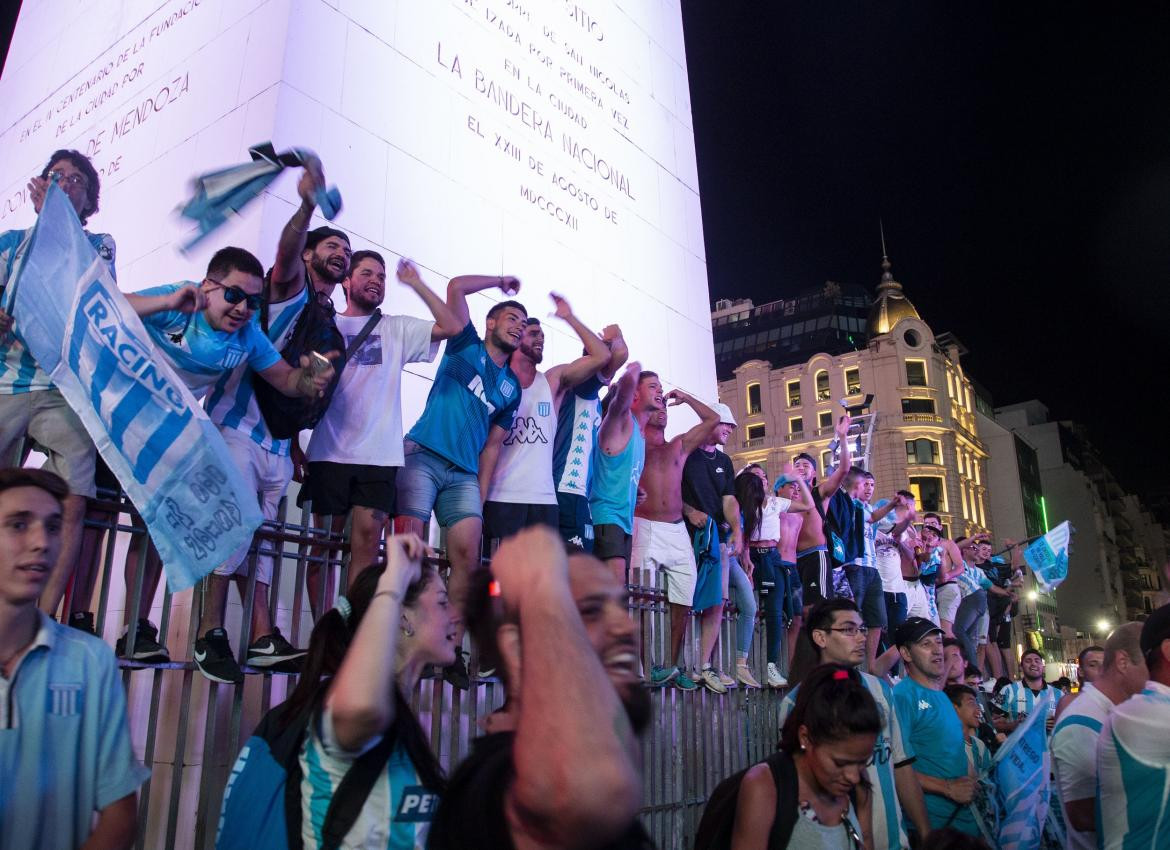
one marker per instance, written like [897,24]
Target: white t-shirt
[1133,771]
[1074,754]
[524,470]
[769,527]
[363,423]
[888,560]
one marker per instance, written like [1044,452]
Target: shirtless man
[661,541]
[791,523]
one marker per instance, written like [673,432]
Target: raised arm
[614,433]
[288,269]
[576,781]
[829,486]
[447,324]
[569,375]
[458,288]
[186,299]
[360,697]
[708,419]
[619,353]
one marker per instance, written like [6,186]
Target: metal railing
[189,730]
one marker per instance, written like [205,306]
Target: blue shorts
[576,527]
[429,482]
[794,595]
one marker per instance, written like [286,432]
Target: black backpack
[315,330]
[718,823]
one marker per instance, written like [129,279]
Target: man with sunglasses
[30,405]
[838,634]
[206,331]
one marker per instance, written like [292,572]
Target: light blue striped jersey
[1133,773]
[202,355]
[890,750]
[231,403]
[972,579]
[615,481]
[397,814]
[578,419]
[1074,755]
[19,372]
[1017,700]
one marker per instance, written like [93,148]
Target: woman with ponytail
[356,770]
[813,792]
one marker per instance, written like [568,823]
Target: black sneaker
[213,656]
[147,649]
[273,652]
[456,674]
[83,622]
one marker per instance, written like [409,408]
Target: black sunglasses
[235,295]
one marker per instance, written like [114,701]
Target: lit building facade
[786,399]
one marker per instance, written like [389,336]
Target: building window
[950,385]
[796,425]
[918,405]
[755,432]
[794,393]
[825,419]
[852,382]
[916,373]
[963,498]
[826,462]
[923,450]
[822,381]
[929,493]
[754,405]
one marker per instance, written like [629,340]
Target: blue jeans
[771,579]
[429,482]
[966,627]
[896,607]
[741,592]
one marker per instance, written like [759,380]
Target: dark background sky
[1019,155]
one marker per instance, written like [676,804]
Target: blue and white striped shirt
[19,372]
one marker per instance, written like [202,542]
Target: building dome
[891,304]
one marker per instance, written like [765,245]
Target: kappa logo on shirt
[924,705]
[525,430]
[418,805]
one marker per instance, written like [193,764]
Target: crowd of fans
[557,488]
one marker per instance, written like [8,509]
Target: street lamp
[1103,626]
[1033,596]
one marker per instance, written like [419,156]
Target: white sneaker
[709,679]
[775,680]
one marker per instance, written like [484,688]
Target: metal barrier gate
[188,730]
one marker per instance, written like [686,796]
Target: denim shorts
[429,482]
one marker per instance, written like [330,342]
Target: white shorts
[917,603]
[948,598]
[268,474]
[665,547]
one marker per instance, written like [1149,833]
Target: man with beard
[661,542]
[475,395]
[1016,701]
[356,449]
[559,765]
[516,466]
[934,732]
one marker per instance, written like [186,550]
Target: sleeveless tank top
[523,473]
[615,481]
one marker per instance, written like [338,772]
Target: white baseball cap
[724,413]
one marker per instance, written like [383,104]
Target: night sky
[1018,154]
[1019,158]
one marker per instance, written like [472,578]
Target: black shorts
[816,576]
[576,527]
[1000,634]
[334,488]
[612,541]
[503,519]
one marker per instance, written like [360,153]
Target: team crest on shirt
[233,356]
[417,805]
[506,389]
[543,408]
[65,700]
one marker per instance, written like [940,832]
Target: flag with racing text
[168,456]
[1021,770]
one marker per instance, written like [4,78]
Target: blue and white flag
[1021,771]
[1048,557]
[168,456]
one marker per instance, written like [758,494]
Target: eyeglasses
[75,180]
[235,295]
[851,630]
